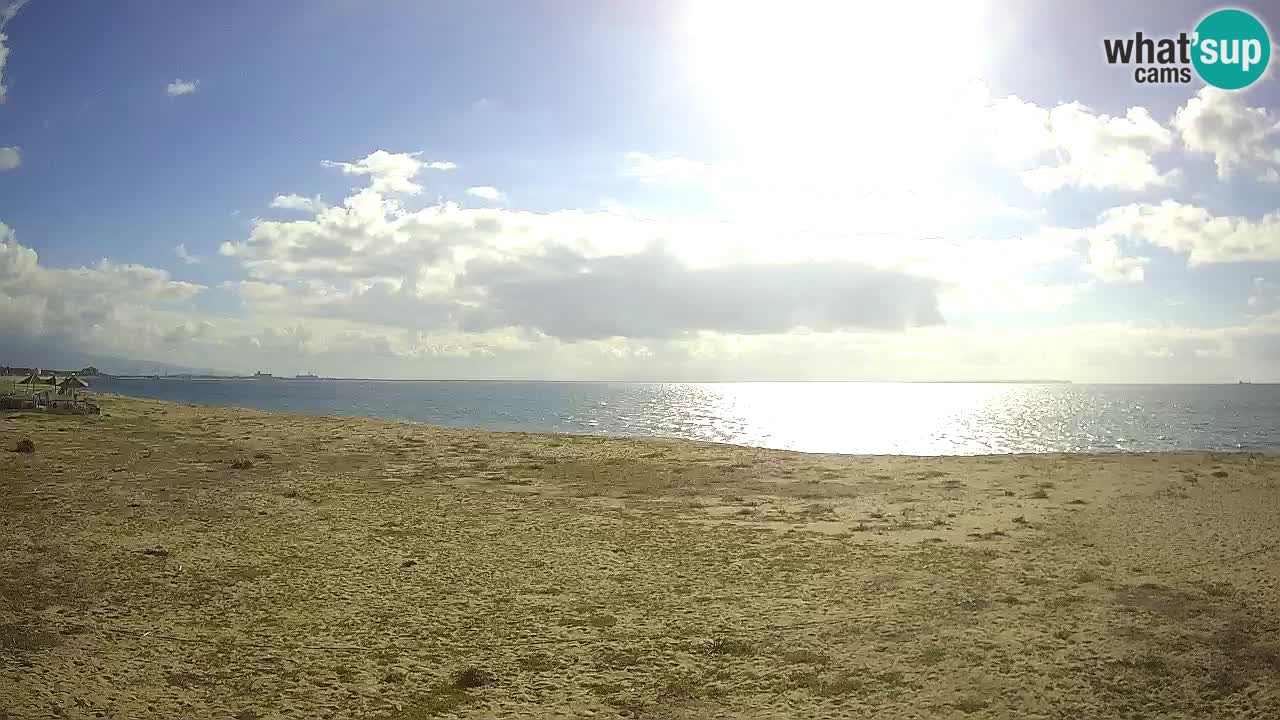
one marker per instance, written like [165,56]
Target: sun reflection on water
[872,418]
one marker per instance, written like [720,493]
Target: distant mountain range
[107,364]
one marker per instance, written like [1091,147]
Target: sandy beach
[164,561]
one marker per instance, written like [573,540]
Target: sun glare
[832,80]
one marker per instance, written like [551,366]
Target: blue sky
[282,85]
[650,190]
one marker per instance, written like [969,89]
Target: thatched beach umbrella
[32,380]
[70,385]
[50,383]
[36,381]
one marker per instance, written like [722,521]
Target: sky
[658,190]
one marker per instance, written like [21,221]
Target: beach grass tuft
[439,701]
[1086,576]
[473,677]
[736,647]
[971,704]
[538,662]
[805,657]
[932,656]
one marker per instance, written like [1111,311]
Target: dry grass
[805,657]
[736,647]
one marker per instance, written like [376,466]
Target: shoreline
[1238,453]
[1227,383]
[272,378]
[1274,452]
[174,560]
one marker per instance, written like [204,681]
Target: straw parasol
[32,380]
[37,380]
[70,385]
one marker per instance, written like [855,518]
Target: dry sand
[167,561]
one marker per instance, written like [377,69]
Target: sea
[852,417]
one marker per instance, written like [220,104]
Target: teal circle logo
[1232,49]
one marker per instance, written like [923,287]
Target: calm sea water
[920,419]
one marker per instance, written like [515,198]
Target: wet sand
[174,561]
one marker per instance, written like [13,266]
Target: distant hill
[107,364]
[124,366]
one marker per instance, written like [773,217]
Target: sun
[832,82]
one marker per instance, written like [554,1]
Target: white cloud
[7,13]
[390,172]
[376,327]
[371,248]
[1072,146]
[487,193]
[181,251]
[1110,264]
[649,168]
[1104,258]
[1218,123]
[293,201]
[20,272]
[1195,232]
[4,58]
[105,307]
[570,274]
[10,10]
[1186,230]
[446,267]
[10,157]
[374,283]
[181,87]
[365,235]
[874,156]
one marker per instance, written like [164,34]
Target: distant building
[262,375]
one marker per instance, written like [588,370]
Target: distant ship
[306,376]
[262,375]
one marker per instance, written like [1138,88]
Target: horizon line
[1032,381]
